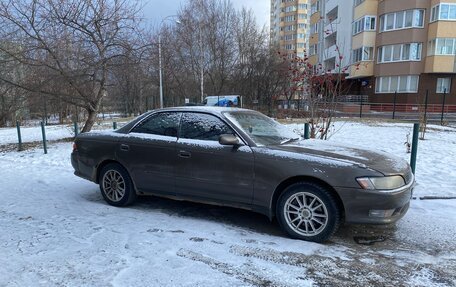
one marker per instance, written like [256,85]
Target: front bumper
[376,207]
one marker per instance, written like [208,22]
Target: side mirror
[228,139]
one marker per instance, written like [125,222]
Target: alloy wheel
[306,213]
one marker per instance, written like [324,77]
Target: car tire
[116,185]
[308,211]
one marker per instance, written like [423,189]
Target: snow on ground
[56,230]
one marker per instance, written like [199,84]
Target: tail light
[75,147]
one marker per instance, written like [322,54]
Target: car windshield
[262,129]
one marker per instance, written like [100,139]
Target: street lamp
[160,56]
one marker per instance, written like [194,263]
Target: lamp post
[160,57]
[202,62]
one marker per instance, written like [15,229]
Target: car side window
[200,126]
[164,124]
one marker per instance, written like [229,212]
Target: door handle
[124,147]
[185,154]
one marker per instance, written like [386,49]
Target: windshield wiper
[289,140]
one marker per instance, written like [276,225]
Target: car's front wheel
[116,185]
[308,211]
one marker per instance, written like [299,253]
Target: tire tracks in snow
[247,274]
[354,271]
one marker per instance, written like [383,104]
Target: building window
[302,6]
[400,84]
[444,11]
[367,23]
[443,85]
[289,9]
[315,7]
[290,37]
[290,18]
[358,2]
[399,53]
[314,28]
[442,47]
[290,28]
[313,49]
[363,54]
[302,26]
[330,64]
[331,40]
[402,20]
[289,47]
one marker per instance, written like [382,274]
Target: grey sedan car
[244,159]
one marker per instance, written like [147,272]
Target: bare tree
[12,99]
[69,46]
[217,50]
[319,86]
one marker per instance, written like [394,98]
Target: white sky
[158,9]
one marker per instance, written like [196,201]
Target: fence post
[394,105]
[43,131]
[306,131]
[19,137]
[76,129]
[361,108]
[426,106]
[443,107]
[416,130]
[114,125]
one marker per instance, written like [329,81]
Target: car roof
[210,109]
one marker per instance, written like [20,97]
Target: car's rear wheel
[308,211]
[116,185]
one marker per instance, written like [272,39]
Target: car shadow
[347,234]
[235,217]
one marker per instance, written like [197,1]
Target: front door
[207,169]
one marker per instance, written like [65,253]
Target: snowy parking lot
[56,229]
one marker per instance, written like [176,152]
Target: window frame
[362,51]
[356,3]
[359,25]
[433,47]
[381,53]
[441,91]
[207,114]
[436,12]
[379,81]
[148,117]
[383,20]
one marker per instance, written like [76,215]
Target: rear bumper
[80,169]
[375,207]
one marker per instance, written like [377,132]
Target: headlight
[381,183]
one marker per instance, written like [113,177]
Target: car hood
[382,162]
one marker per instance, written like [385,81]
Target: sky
[158,9]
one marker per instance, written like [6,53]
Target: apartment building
[330,34]
[290,26]
[405,47]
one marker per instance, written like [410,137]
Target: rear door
[207,169]
[149,153]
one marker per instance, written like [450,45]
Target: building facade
[330,35]
[290,26]
[405,48]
